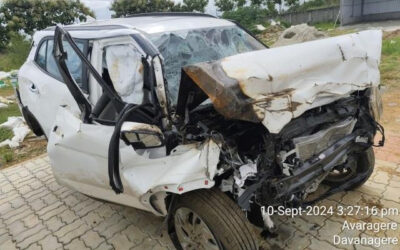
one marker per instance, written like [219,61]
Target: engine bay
[258,168]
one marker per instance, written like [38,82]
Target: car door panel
[78,154]
[42,94]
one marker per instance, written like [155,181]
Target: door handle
[33,88]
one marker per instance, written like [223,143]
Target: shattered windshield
[181,48]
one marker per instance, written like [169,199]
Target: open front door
[116,146]
[84,147]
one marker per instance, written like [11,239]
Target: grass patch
[11,110]
[390,63]
[5,134]
[331,30]
[6,155]
[15,54]
[8,90]
[391,46]
[325,26]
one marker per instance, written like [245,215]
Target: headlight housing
[375,103]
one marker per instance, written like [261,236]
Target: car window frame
[85,51]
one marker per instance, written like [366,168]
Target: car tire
[213,210]
[32,122]
[365,164]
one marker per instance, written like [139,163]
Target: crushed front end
[285,128]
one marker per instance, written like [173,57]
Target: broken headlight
[375,103]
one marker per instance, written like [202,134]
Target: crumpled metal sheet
[273,86]
[78,154]
[310,145]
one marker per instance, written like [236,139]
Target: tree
[3,33]
[292,3]
[127,7]
[229,5]
[256,2]
[194,5]
[31,15]
[225,5]
[271,7]
[26,16]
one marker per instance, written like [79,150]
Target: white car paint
[38,89]
[79,156]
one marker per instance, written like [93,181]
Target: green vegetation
[248,16]
[11,110]
[26,16]
[5,134]
[325,26]
[390,63]
[312,5]
[6,153]
[331,29]
[391,46]
[128,7]
[15,53]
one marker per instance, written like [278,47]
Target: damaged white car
[191,117]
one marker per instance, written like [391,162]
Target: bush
[27,16]
[14,55]
[248,16]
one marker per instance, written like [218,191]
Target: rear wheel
[209,219]
[362,163]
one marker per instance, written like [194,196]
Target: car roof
[163,23]
[149,23]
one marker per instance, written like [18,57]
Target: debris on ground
[272,22]
[6,100]
[260,27]
[4,75]
[19,128]
[271,34]
[3,105]
[298,34]
[391,34]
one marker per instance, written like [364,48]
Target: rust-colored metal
[224,92]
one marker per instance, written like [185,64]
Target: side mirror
[142,135]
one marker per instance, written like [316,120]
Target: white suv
[191,117]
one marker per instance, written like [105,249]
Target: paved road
[37,213]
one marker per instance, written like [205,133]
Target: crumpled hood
[273,86]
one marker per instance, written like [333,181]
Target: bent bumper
[313,168]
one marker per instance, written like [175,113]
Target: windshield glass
[180,48]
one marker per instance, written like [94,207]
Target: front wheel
[362,163]
[209,219]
